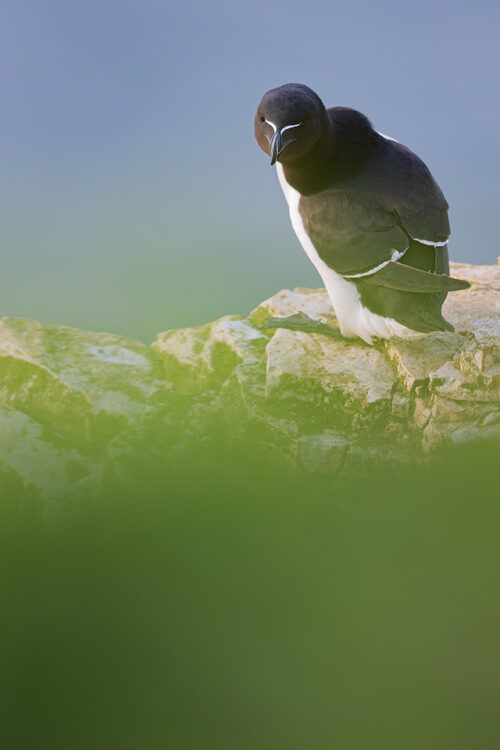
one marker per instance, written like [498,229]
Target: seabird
[366,210]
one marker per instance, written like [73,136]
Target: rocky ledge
[78,408]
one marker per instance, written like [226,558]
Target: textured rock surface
[77,407]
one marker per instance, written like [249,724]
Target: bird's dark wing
[406,188]
[350,230]
[361,233]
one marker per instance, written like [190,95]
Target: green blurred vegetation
[226,605]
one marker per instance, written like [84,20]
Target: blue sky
[134,197]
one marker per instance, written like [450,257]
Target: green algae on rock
[78,407]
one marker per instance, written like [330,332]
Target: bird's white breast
[354,319]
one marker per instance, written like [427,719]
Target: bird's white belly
[354,319]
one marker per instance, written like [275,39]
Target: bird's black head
[289,121]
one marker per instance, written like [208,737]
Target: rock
[203,358]
[64,395]
[79,409]
[79,380]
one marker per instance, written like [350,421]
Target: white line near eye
[287,127]
[271,124]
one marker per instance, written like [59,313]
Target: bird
[366,210]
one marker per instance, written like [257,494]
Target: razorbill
[366,210]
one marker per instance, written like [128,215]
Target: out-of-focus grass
[245,609]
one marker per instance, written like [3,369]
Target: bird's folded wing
[351,232]
[359,238]
[414,195]
[409,279]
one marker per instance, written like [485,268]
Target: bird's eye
[262,118]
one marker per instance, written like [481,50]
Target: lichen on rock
[78,407]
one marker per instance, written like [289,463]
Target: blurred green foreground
[234,607]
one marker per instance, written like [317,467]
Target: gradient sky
[134,197]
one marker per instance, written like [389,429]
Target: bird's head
[289,121]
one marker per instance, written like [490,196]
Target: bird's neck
[335,158]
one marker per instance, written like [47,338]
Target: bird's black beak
[277,146]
